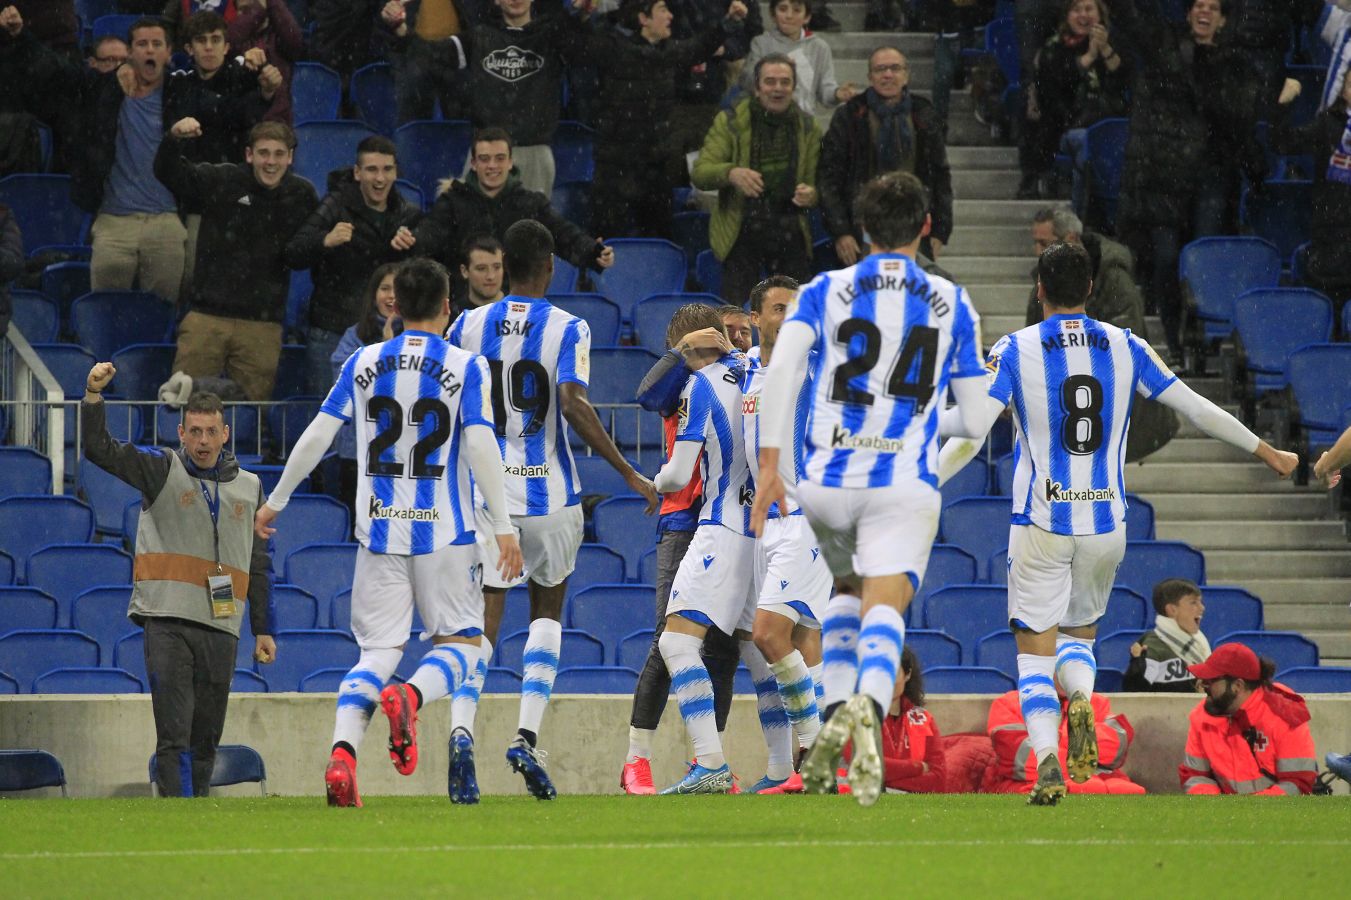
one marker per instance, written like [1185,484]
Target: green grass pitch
[675,847]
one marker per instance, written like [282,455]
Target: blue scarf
[894,133]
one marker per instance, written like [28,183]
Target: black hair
[484,242]
[526,248]
[764,287]
[421,285]
[205,21]
[150,22]
[1065,273]
[369,327]
[773,59]
[914,678]
[377,143]
[892,208]
[490,135]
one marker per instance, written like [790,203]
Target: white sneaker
[865,767]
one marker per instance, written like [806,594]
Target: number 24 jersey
[889,336]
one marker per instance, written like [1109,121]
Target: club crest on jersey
[683,410]
[1071,324]
[518,307]
[708,560]
[1057,493]
[413,341]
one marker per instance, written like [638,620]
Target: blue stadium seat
[1316,679]
[301,651]
[643,266]
[322,569]
[107,321]
[622,524]
[647,567]
[599,313]
[633,649]
[292,384]
[412,194]
[108,495]
[116,25]
[43,209]
[287,421]
[1113,650]
[242,418]
[572,201]
[1282,212]
[297,303]
[101,613]
[6,569]
[26,770]
[1139,519]
[1148,562]
[1230,609]
[375,97]
[1275,322]
[31,522]
[947,565]
[1109,681]
[609,612]
[67,570]
[1126,610]
[83,680]
[972,481]
[36,315]
[1106,158]
[309,519]
[131,520]
[24,471]
[934,648]
[325,146]
[966,680]
[142,368]
[1215,270]
[998,567]
[1003,476]
[689,229]
[1320,376]
[323,681]
[501,681]
[599,478]
[968,612]
[8,685]
[708,272]
[27,607]
[129,653]
[64,281]
[624,368]
[742,683]
[579,649]
[596,564]
[565,276]
[635,431]
[1285,648]
[340,611]
[247,681]
[296,607]
[596,680]
[28,652]
[978,525]
[432,150]
[69,364]
[572,146]
[316,92]
[998,650]
[235,764]
[653,313]
[89,10]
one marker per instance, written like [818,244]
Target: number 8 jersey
[1070,381]
[410,399]
[888,338]
[532,347]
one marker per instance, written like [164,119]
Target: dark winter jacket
[1070,96]
[239,273]
[1330,256]
[273,30]
[637,93]
[1193,117]
[342,32]
[847,163]
[339,274]
[706,80]
[234,89]
[463,211]
[54,22]
[11,261]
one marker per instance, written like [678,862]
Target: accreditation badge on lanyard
[220,588]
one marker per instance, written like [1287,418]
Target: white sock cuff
[380,662]
[1064,640]
[844,603]
[789,663]
[674,642]
[546,628]
[1033,664]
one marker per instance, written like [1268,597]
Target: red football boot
[400,706]
[341,779]
[636,778]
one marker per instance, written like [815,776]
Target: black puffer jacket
[1330,256]
[847,162]
[706,82]
[342,32]
[340,273]
[1194,113]
[11,261]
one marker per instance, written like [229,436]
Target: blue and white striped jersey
[1071,381]
[409,400]
[710,411]
[751,387]
[531,348]
[888,338]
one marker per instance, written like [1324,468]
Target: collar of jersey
[1069,316]
[516,298]
[420,331]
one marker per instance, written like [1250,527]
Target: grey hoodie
[815,66]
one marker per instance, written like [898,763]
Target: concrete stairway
[1280,542]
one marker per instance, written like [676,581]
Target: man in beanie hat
[1249,736]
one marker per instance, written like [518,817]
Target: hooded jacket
[1263,748]
[1016,767]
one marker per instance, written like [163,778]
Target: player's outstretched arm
[1223,427]
[305,455]
[777,414]
[678,470]
[1331,463]
[975,411]
[485,462]
[581,415]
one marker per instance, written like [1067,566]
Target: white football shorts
[446,587]
[791,577]
[873,532]
[548,543]
[714,584]
[1061,579]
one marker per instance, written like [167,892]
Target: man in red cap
[1249,736]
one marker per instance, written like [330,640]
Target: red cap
[1232,660]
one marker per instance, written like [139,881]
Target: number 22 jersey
[532,347]
[889,336]
[410,399]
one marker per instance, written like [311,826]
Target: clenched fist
[341,234]
[186,128]
[99,377]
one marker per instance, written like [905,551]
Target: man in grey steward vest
[196,561]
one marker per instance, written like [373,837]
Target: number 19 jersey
[532,348]
[888,338]
[410,399]
[1070,380]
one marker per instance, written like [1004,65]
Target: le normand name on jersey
[888,280]
[408,362]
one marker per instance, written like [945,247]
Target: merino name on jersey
[889,337]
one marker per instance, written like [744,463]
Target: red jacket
[909,741]
[684,498]
[1016,770]
[1263,748]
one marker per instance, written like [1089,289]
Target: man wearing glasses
[886,128]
